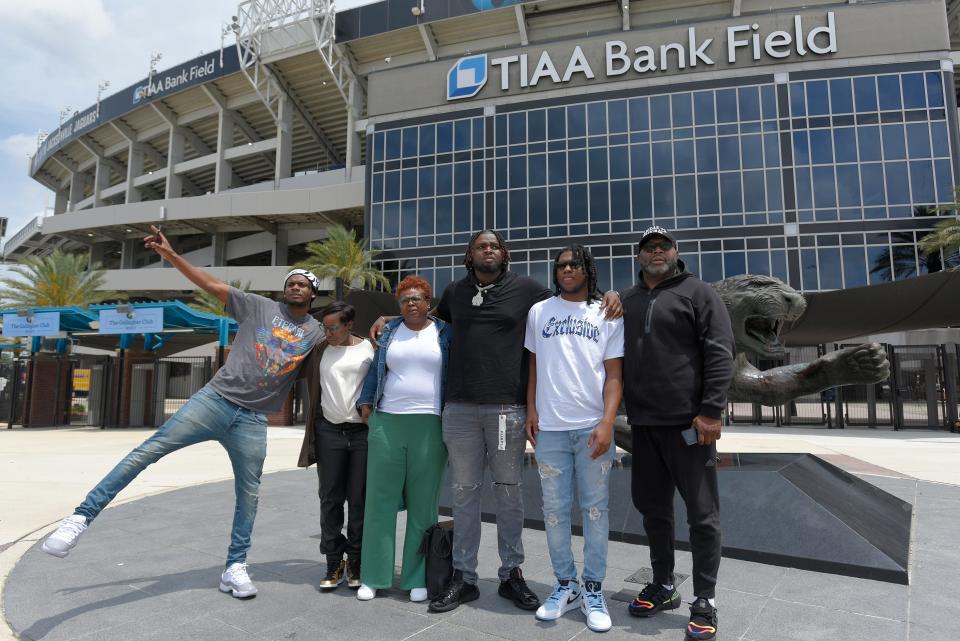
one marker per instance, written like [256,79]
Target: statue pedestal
[792,510]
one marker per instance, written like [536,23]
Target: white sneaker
[566,596]
[236,581]
[594,607]
[366,593]
[418,594]
[62,541]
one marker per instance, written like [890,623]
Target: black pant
[341,450]
[662,462]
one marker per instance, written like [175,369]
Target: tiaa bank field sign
[742,43]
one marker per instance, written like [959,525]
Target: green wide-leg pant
[405,463]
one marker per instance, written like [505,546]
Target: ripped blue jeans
[564,463]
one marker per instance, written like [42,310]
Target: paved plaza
[148,568]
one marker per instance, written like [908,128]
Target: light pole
[64,112]
[155,57]
[100,89]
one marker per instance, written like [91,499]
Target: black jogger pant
[662,462]
[341,451]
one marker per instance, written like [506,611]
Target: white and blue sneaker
[594,607]
[566,596]
[65,538]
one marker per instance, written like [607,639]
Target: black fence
[922,392]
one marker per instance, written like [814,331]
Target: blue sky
[56,52]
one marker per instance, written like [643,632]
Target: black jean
[341,450]
[662,463]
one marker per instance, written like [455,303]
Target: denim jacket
[373,384]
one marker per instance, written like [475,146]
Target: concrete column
[76,189]
[219,249]
[284,166]
[96,254]
[224,176]
[62,200]
[128,253]
[280,245]
[134,169]
[354,142]
[174,155]
[101,180]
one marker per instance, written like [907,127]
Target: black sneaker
[703,621]
[353,573]
[457,592]
[515,588]
[335,574]
[653,598]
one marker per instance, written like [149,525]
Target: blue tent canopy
[178,319]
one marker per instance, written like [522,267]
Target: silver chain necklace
[477,300]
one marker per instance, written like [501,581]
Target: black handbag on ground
[437,548]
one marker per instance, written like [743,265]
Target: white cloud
[84,18]
[18,146]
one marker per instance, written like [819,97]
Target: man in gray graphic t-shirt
[273,340]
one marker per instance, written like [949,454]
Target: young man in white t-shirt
[576,363]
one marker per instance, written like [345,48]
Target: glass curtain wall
[820,152]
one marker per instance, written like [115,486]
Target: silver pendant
[477,300]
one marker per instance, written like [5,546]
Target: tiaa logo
[467,77]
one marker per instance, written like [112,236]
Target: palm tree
[56,280]
[344,258]
[943,240]
[206,302]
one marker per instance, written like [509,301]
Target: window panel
[845,144]
[869,143]
[818,102]
[682,109]
[754,196]
[557,209]
[801,149]
[598,164]
[921,179]
[444,137]
[641,198]
[663,197]
[749,103]
[893,143]
[888,92]
[461,135]
[918,140]
[808,269]
[711,266]
[576,121]
[639,114]
[599,202]
[821,146]
[729,152]
[393,144]
[706,154]
[798,100]
[660,112]
[898,185]
[758,262]
[579,207]
[620,200]
[708,194]
[686,195]
[619,162]
[841,96]
[703,107]
[731,197]
[824,187]
[914,93]
[848,186]
[577,165]
[934,89]
[726,105]
[854,267]
[537,208]
[751,150]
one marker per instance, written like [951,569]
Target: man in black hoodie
[678,364]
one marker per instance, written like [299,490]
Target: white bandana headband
[314,281]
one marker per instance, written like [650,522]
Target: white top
[342,370]
[414,365]
[571,341]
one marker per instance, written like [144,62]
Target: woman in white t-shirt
[401,399]
[336,439]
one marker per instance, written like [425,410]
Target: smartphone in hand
[690,436]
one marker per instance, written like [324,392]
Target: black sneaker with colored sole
[703,621]
[652,599]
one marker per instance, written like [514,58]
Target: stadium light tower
[41,136]
[155,57]
[100,89]
[225,31]
[64,112]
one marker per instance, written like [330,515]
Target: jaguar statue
[759,307]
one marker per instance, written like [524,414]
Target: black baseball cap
[656,230]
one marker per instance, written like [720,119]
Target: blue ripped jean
[564,459]
[207,416]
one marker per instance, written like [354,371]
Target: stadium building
[810,141]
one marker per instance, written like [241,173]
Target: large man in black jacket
[678,364]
